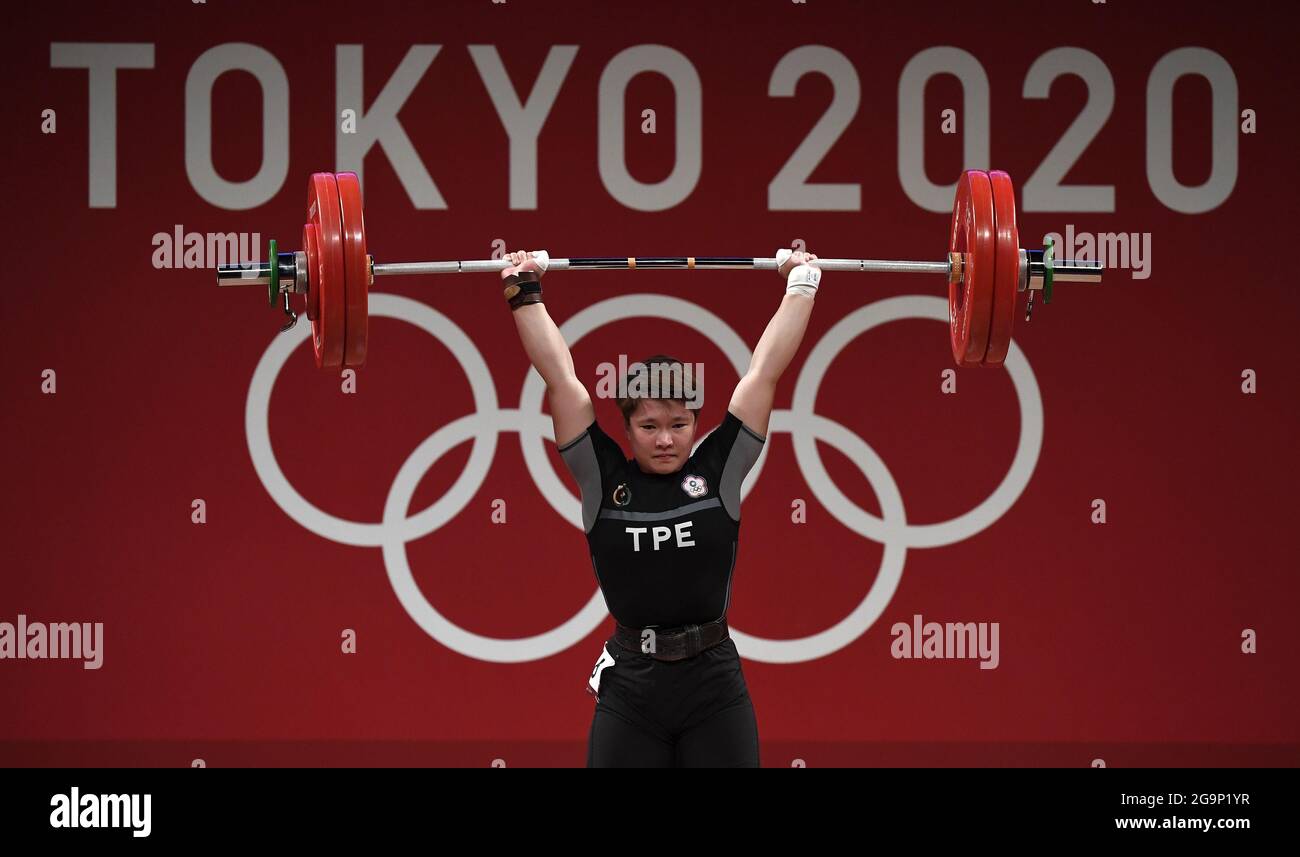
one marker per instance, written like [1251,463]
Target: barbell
[986,269]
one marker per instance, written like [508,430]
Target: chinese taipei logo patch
[695,486]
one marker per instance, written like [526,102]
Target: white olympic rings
[398,527]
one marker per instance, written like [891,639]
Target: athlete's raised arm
[571,408]
[752,399]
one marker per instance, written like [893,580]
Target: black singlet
[663,546]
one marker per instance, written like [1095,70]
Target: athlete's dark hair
[628,404]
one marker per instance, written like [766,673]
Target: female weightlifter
[662,529]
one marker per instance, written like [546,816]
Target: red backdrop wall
[1120,641]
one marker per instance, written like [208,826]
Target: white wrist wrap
[803,280]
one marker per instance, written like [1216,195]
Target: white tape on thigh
[604,662]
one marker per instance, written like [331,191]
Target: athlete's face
[661,434]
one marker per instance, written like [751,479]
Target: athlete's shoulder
[593,443]
[598,464]
[725,457]
[713,452]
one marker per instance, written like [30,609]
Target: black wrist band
[522,289]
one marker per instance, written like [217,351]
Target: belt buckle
[694,642]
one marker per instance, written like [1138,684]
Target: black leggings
[679,714]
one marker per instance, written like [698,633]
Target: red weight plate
[971,300]
[311,300]
[1006,268]
[356,268]
[312,250]
[328,331]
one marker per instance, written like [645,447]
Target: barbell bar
[986,269]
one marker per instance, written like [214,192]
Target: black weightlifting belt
[672,644]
